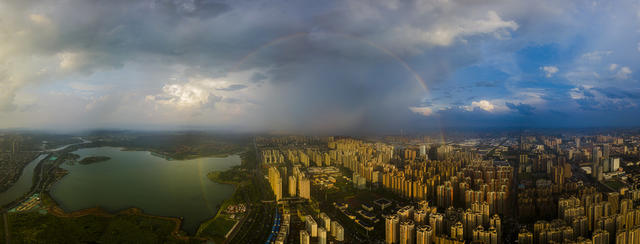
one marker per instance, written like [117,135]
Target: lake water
[177,188]
[24,183]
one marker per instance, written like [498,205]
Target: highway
[259,220]
[7,235]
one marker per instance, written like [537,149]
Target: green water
[177,188]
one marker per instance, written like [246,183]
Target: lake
[176,188]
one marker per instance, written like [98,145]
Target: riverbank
[17,176]
[94,225]
[21,198]
[173,156]
[54,208]
[218,227]
[221,227]
[93,159]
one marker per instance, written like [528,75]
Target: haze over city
[318,66]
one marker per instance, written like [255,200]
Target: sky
[282,66]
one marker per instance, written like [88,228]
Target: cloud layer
[318,66]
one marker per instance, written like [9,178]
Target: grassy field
[233,176]
[90,227]
[34,227]
[216,228]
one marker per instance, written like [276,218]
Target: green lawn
[216,228]
[39,228]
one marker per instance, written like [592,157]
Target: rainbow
[386,51]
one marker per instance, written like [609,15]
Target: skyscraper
[304,187]
[322,235]
[424,234]
[293,182]
[600,237]
[457,231]
[407,229]
[525,237]
[312,226]
[326,221]
[276,182]
[391,228]
[304,237]
[337,231]
[436,223]
[420,216]
[595,160]
[495,222]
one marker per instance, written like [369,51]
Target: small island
[93,159]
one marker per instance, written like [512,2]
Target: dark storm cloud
[325,93]
[617,93]
[258,77]
[192,8]
[522,108]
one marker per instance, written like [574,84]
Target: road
[259,220]
[7,236]
[490,153]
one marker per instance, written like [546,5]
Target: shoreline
[164,155]
[43,181]
[21,171]
[38,154]
[153,152]
[54,209]
[236,186]
[222,204]
[31,191]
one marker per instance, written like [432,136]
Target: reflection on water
[177,188]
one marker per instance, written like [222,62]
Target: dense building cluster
[530,189]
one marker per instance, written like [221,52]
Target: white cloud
[199,92]
[576,93]
[424,111]
[183,95]
[482,104]
[39,19]
[444,34]
[69,60]
[598,98]
[549,70]
[623,73]
[613,67]
[583,75]
[596,55]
